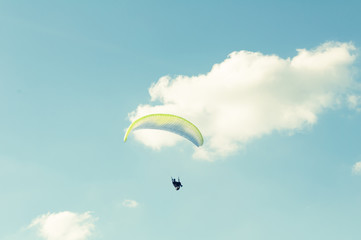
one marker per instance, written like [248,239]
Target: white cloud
[250,94]
[354,102]
[64,226]
[356,168]
[130,203]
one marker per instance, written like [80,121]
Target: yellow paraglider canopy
[170,123]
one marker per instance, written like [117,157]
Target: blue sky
[73,74]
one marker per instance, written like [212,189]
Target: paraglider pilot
[177,184]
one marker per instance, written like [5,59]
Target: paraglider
[177,184]
[170,123]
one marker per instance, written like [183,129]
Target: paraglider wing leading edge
[170,123]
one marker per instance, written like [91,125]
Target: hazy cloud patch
[356,168]
[354,102]
[129,203]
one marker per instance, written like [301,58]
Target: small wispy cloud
[130,203]
[356,168]
[64,226]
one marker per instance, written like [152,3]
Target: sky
[274,87]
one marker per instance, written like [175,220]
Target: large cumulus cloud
[250,94]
